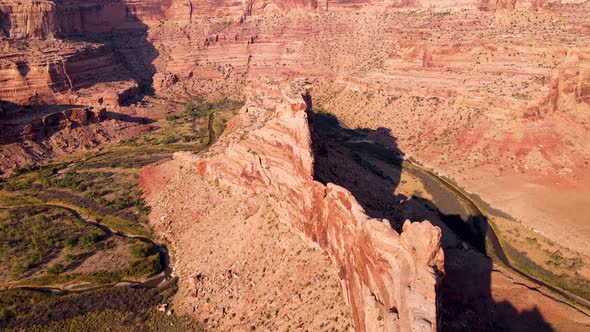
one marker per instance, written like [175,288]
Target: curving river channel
[479,215]
[159,280]
[472,209]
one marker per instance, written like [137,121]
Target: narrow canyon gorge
[399,165]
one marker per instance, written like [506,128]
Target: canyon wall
[226,44]
[388,280]
[48,125]
[493,94]
[91,53]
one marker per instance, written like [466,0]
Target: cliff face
[27,19]
[388,279]
[57,52]
[496,91]
[34,135]
[56,122]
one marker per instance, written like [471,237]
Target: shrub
[141,207]
[149,266]
[188,138]
[121,203]
[189,108]
[88,241]
[576,264]
[141,251]
[168,139]
[70,242]
[16,271]
[71,257]
[45,182]
[55,269]
[172,117]
[5,314]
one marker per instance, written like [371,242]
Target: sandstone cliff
[388,280]
[91,53]
[494,96]
[32,136]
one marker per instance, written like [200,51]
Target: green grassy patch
[31,236]
[109,309]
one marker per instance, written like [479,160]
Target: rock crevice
[388,279]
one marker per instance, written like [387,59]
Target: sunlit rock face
[58,52]
[388,280]
[491,93]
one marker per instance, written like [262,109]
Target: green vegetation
[464,216]
[109,309]
[143,250]
[204,108]
[44,243]
[34,237]
[575,284]
[29,236]
[104,186]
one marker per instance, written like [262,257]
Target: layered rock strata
[35,135]
[53,123]
[388,280]
[494,96]
[58,52]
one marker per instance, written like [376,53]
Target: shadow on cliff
[5,24]
[370,165]
[38,123]
[117,27]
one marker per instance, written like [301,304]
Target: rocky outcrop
[570,83]
[59,52]
[50,124]
[44,19]
[389,280]
[53,72]
[33,135]
[501,89]
[27,19]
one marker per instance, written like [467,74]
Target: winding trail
[159,280]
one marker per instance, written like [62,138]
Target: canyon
[510,80]
[494,95]
[388,279]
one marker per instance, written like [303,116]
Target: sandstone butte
[389,280]
[508,79]
[495,94]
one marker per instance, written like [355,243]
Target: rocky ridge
[34,136]
[491,94]
[388,280]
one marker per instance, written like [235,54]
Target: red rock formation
[29,136]
[44,127]
[59,52]
[388,279]
[474,92]
[59,69]
[569,83]
[27,19]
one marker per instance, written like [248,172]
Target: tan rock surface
[388,280]
[494,94]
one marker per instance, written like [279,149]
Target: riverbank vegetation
[108,309]
[468,217]
[47,245]
[46,239]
